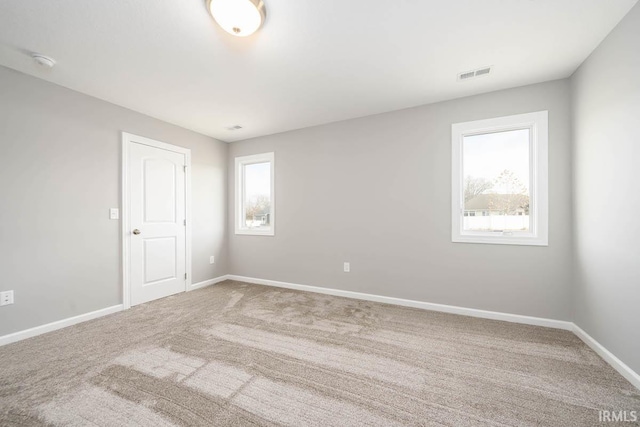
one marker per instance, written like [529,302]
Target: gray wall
[376,192]
[60,175]
[606,105]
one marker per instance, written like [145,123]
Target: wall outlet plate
[347,267]
[212,259]
[114,213]
[6,298]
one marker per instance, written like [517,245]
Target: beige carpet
[239,354]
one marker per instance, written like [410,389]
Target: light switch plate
[114,213]
[347,267]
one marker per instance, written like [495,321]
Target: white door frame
[127,140]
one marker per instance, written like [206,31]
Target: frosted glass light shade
[240,18]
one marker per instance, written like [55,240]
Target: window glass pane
[496,181]
[257,196]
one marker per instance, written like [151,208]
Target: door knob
[136,231]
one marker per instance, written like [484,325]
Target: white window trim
[239,211]
[537,123]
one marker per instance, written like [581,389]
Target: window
[499,168]
[255,201]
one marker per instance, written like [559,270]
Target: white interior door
[157,221]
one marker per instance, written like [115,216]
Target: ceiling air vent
[234,127]
[467,75]
[474,73]
[483,71]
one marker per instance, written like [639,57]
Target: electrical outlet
[212,259]
[347,267]
[114,213]
[6,297]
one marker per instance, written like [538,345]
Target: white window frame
[538,234]
[240,223]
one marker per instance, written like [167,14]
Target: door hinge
[184,222]
[185,168]
[185,276]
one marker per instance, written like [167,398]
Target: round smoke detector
[43,61]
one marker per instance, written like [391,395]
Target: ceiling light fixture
[240,18]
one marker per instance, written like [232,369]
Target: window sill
[501,240]
[247,232]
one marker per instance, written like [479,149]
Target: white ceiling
[313,62]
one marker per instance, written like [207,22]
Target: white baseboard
[612,360]
[515,318]
[53,326]
[209,282]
